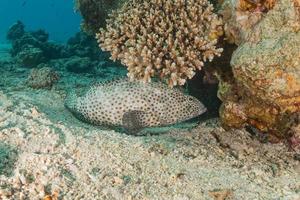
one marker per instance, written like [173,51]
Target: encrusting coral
[162,38]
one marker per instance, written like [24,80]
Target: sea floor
[64,158]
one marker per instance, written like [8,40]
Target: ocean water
[55,16]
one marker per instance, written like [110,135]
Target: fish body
[134,105]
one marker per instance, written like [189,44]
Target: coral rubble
[265,90]
[162,38]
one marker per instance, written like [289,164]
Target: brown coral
[163,38]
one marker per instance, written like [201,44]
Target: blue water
[57,17]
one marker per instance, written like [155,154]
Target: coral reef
[30,56]
[80,54]
[84,45]
[32,48]
[16,31]
[265,89]
[240,16]
[41,35]
[95,12]
[79,64]
[165,39]
[43,77]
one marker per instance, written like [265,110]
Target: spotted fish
[134,105]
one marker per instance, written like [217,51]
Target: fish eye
[190,98]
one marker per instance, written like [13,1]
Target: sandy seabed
[60,157]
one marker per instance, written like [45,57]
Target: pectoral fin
[133,121]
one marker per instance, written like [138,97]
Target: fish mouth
[203,110]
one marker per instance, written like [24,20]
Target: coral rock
[15,31]
[40,35]
[79,65]
[95,12]
[162,38]
[240,16]
[44,77]
[265,91]
[30,56]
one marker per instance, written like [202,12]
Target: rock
[44,77]
[30,56]
[54,51]
[36,39]
[95,12]
[265,88]
[241,16]
[79,65]
[221,194]
[84,45]
[19,44]
[15,31]
[40,35]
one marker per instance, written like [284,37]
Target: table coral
[162,38]
[265,90]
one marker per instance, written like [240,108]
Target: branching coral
[169,39]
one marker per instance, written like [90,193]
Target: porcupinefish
[134,105]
